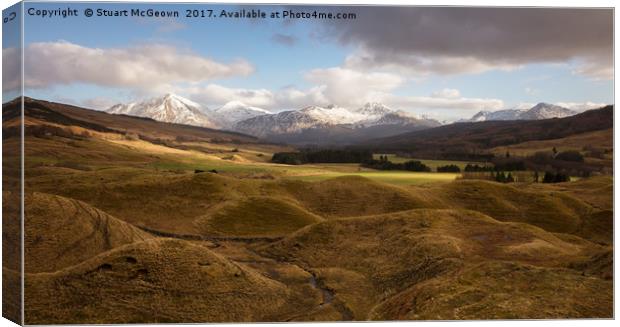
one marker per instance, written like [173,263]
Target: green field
[309,172]
[390,177]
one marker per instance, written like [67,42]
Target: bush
[476,168]
[509,164]
[551,177]
[322,156]
[501,177]
[384,164]
[448,169]
[572,155]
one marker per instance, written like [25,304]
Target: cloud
[214,95]
[284,39]
[447,94]
[99,103]
[427,40]
[288,98]
[420,103]
[343,87]
[143,67]
[595,70]
[348,87]
[581,106]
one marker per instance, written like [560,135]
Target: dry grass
[61,232]
[256,217]
[161,280]
[351,244]
[502,290]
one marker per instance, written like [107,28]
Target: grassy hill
[162,280]
[164,223]
[437,247]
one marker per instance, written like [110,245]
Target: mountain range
[537,112]
[312,124]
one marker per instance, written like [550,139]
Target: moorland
[132,220]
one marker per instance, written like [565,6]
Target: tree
[448,169]
[571,155]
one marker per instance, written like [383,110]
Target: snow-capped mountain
[374,109]
[333,115]
[170,108]
[314,117]
[546,111]
[236,111]
[402,118]
[506,114]
[539,111]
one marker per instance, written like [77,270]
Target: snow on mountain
[539,111]
[333,115]
[546,111]
[506,114]
[402,118]
[374,109]
[235,111]
[371,114]
[281,123]
[170,108]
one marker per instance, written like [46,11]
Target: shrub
[571,155]
[551,177]
[448,169]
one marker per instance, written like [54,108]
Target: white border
[505,3]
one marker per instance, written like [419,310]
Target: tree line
[322,156]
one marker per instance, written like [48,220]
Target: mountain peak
[170,108]
[374,109]
[541,110]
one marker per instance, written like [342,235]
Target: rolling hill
[160,222]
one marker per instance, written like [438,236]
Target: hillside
[469,137]
[40,111]
[160,222]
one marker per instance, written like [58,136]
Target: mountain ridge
[541,110]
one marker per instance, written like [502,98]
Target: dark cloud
[445,39]
[284,39]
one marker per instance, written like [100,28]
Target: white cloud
[581,106]
[595,70]
[421,66]
[418,103]
[524,105]
[447,94]
[99,103]
[143,67]
[347,87]
[213,95]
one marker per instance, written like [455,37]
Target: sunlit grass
[391,177]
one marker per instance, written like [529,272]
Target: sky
[446,63]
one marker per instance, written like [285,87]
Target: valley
[161,222]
